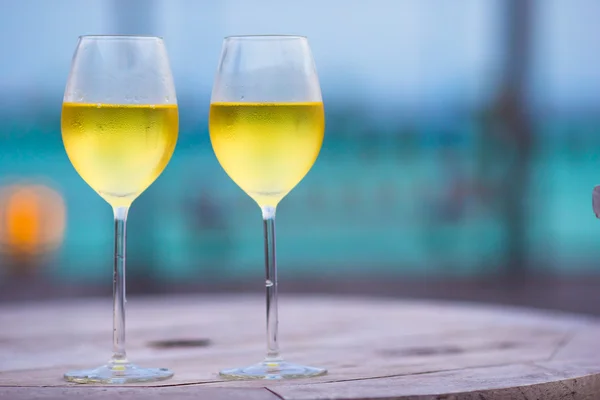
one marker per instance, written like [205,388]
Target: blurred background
[462,146]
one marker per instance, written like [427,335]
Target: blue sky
[407,53]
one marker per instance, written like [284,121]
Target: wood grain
[374,349]
[96,393]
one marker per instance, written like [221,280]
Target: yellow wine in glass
[267,148]
[119,126]
[266,125]
[119,150]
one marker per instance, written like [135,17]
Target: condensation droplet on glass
[242,98]
[167,99]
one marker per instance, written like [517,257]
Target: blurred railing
[426,199]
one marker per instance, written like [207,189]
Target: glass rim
[136,37]
[268,36]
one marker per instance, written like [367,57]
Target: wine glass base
[273,370]
[117,374]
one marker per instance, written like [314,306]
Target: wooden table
[374,349]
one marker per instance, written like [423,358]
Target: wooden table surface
[374,349]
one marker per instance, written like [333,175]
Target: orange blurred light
[32,220]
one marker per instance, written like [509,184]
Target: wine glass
[119,127]
[266,127]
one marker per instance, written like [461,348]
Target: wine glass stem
[119,300]
[271,283]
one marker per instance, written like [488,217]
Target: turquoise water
[379,204]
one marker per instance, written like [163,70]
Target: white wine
[119,150]
[267,148]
